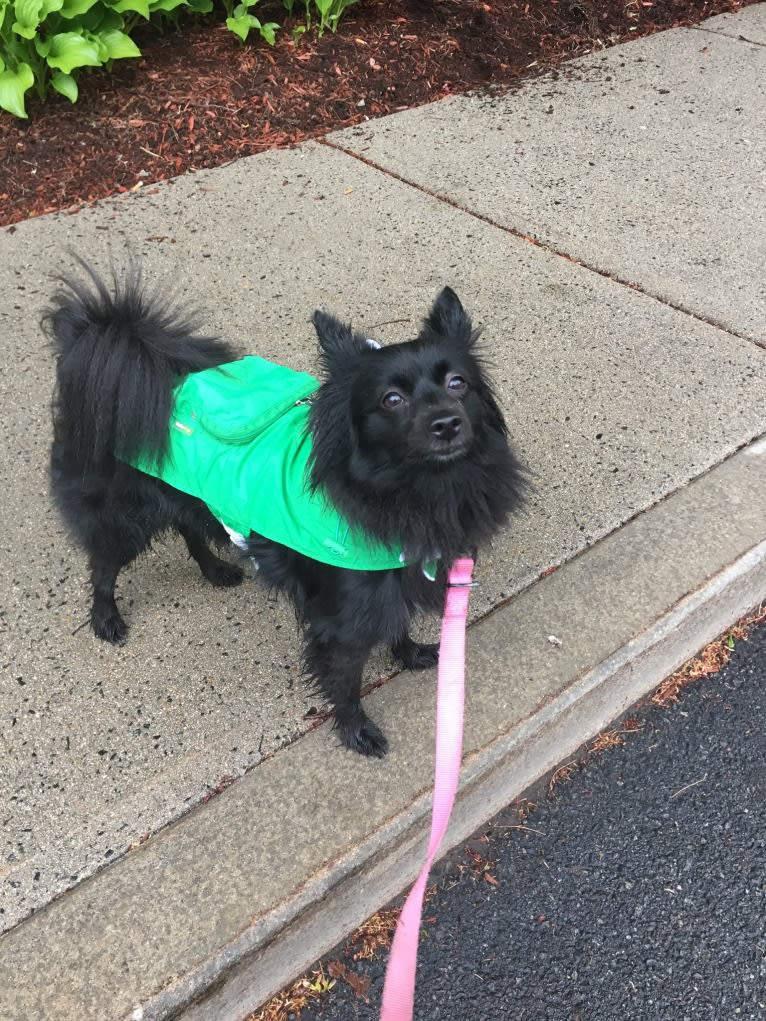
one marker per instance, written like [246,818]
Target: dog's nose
[446,428]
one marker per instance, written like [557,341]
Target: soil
[200,98]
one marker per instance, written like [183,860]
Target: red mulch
[199,98]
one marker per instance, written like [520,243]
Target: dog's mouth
[446,455]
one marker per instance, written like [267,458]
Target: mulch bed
[199,98]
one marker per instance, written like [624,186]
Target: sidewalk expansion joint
[542,245]
[737,38]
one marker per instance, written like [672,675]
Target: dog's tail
[119,352]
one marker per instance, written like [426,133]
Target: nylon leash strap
[399,985]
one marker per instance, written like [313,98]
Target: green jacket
[239,440]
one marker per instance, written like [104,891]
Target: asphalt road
[637,892]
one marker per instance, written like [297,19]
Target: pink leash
[399,986]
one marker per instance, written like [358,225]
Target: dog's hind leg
[218,572]
[105,618]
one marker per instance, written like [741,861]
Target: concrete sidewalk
[629,349]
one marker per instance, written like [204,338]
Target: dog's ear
[337,339]
[450,320]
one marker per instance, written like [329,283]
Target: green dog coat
[239,441]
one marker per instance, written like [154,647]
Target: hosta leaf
[166,5]
[118,44]
[70,50]
[74,8]
[13,86]
[201,6]
[134,6]
[28,17]
[30,14]
[242,22]
[241,25]
[25,31]
[65,84]
[268,31]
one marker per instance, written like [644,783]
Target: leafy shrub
[45,43]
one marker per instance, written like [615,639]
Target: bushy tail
[120,351]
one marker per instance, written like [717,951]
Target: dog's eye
[392,400]
[456,384]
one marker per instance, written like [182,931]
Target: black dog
[407,443]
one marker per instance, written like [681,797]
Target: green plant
[330,12]
[45,44]
[240,21]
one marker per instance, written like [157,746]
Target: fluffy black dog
[408,443]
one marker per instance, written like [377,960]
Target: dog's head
[423,404]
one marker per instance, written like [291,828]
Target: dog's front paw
[110,627]
[359,733]
[414,656]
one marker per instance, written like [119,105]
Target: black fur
[408,442]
